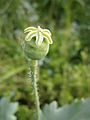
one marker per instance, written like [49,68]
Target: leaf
[79,110]
[12,72]
[7,109]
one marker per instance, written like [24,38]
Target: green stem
[34,77]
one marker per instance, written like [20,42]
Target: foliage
[7,109]
[78,110]
[24,113]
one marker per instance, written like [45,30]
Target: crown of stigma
[39,33]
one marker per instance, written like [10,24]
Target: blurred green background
[65,72]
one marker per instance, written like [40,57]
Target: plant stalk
[34,76]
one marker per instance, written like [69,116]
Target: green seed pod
[37,41]
[34,52]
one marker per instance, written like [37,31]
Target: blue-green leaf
[7,109]
[79,110]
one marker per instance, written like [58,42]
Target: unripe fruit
[37,41]
[34,52]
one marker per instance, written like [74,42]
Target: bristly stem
[34,76]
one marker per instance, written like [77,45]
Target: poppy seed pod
[37,41]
